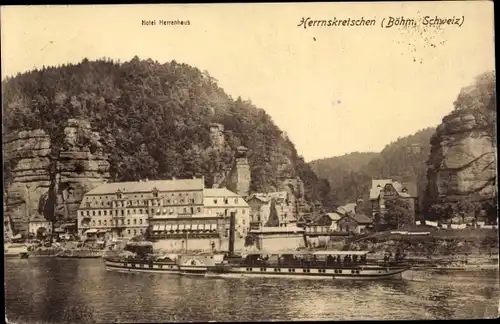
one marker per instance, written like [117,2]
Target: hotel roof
[403,189]
[148,186]
[265,197]
[218,192]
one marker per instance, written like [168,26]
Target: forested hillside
[350,175]
[153,120]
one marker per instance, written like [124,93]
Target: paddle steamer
[307,265]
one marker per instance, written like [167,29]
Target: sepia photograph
[174,163]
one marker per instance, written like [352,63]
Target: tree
[41,233]
[273,220]
[398,213]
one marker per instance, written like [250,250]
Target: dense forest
[350,175]
[154,120]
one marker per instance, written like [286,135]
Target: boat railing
[316,264]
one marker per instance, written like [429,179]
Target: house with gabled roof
[385,189]
[354,223]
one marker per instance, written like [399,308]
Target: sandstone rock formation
[462,161]
[37,169]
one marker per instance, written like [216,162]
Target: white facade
[220,202]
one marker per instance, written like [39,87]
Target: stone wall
[198,244]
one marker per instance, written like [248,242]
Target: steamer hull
[312,274]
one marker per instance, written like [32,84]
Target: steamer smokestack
[232,227]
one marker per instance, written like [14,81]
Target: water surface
[82,291]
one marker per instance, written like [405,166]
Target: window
[182,200]
[236,200]
[128,221]
[215,201]
[87,204]
[123,212]
[191,200]
[185,210]
[128,232]
[119,195]
[88,213]
[135,232]
[93,213]
[140,221]
[105,212]
[168,201]
[140,211]
[226,201]
[198,209]
[105,223]
[135,221]
[93,222]
[123,222]
[141,231]
[155,194]
[99,213]
[128,211]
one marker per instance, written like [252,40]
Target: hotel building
[163,208]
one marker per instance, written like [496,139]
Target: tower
[240,175]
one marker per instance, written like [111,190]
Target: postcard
[249,162]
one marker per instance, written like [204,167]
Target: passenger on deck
[363,259]
[329,260]
[355,259]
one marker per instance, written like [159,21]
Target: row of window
[157,211]
[225,200]
[127,203]
[105,222]
[119,195]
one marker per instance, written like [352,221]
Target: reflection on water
[82,291]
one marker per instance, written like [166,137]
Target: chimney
[232,225]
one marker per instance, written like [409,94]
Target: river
[49,290]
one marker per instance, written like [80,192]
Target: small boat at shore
[15,250]
[80,254]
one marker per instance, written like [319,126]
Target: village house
[39,223]
[260,208]
[354,223]
[385,189]
[328,221]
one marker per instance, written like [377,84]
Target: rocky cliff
[38,173]
[155,121]
[462,161]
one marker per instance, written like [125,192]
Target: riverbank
[474,244]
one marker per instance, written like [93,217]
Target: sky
[333,90]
